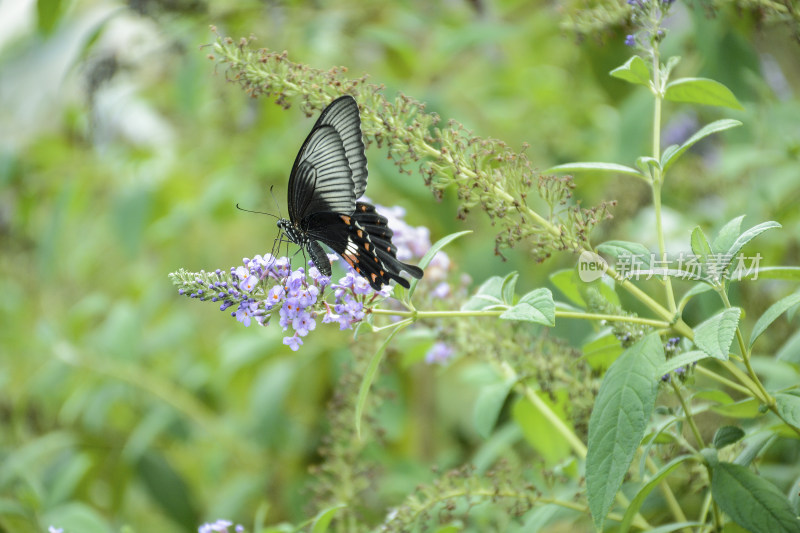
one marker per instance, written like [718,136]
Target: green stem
[688,415]
[728,383]
[418,315]
[658,177]
[765,396]
[672,502]
[577,444]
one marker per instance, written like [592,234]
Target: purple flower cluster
[439,353]
[647,15]
[671,349]
[220,526]
[266,286]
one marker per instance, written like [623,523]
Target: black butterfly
[329,174]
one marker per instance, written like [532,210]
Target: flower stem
[496,313]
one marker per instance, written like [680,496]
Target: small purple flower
[303,323]
[221,525]
[293,342]
[249,283]
[244,314]
[441,291]
[239,528]
[53,529]
[361,286]
[630,40]
[439,353]
[275,295]
[241,272]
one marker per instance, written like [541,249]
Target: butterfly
[328,176]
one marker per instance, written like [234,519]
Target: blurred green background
[123,151]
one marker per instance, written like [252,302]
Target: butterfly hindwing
[372,256]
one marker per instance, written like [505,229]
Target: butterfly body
[328,176]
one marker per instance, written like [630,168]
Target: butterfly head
[291,231]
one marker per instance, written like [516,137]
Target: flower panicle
[485,173]
[647,17]
[265,286]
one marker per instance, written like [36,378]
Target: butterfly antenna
[277,205]
[257,212]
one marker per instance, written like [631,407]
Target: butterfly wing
[364,241]
[342,114]
[330,171]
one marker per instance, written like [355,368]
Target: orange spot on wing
[374,276]
[366,246]
[345,219]
[360,234]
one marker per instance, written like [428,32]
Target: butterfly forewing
[342,114]
[330,171]
[322,180]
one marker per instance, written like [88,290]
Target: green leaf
[771,314]
[369,376]
[598,167]
[634,71]
[601,350]
[727,435]
[617,249]
[700,246]
[619,419]
[555,448]
[699,288]
[428,257]
[489,294]
[78,517]
[509,284]
[167,488]
[48,12]
[682,359]
[701,91]
[567,282]
[727,235]
[323,518]
[488,405]
[754,446]
[748,236]
[636,502]
[748,408]
[675,526]
[779,272]
[789,407]
[671,154]
[647,164]
[751,501]
[450,528]
[715,335]
[536,306]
